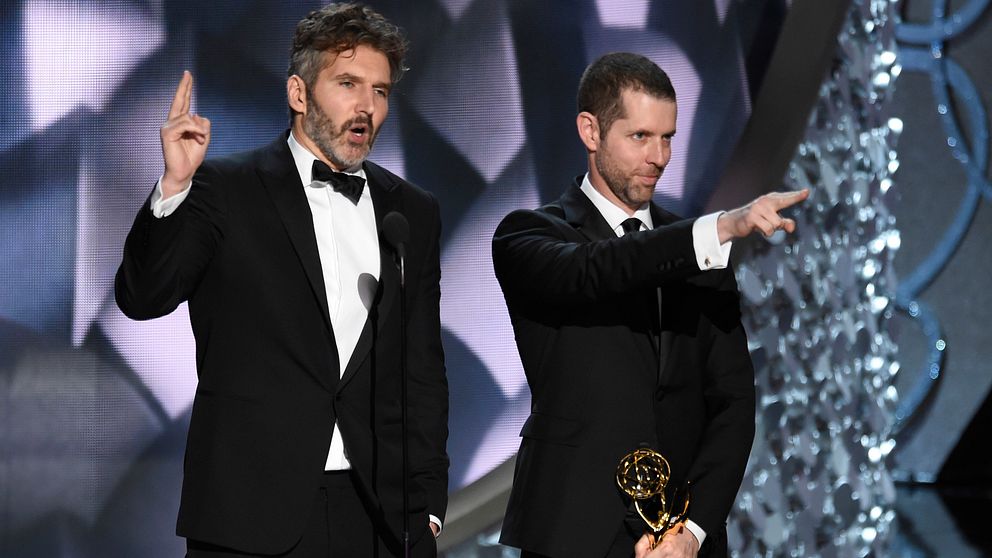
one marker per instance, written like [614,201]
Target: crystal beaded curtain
[817,308]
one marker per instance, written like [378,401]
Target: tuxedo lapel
[385,198]
[282,182]
[583,215]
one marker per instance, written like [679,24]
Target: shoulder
[389,181]
[240,163]
[547,217]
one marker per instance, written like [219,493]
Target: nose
[366,101]
[659,153]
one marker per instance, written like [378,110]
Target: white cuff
[710,254]
[434,519]
[164,208]
[696,530]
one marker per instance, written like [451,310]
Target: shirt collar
[304,159]
[613,214]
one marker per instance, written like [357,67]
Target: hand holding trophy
[643,474]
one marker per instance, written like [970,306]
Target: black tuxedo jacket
[241,249]
[584,311]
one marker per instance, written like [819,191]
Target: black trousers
[339,527]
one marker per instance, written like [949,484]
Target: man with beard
[295,441]
[627,321]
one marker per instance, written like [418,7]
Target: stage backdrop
[94,407]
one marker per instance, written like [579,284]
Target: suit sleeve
[729,396]
[164,258]
[540,257]
[428,386]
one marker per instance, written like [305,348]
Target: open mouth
[358,132]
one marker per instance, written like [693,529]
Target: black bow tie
[349,185]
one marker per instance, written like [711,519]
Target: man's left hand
[678,542]
[434,528]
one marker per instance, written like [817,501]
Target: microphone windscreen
[396,229]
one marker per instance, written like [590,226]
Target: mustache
[348,125]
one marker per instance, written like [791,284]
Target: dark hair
[336,28]
[604,81]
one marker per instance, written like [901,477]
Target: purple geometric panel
[121,162]
[623,14]
[388,150]
[455,8]
[473,309]
[161,352]
[475,61]
[77,52]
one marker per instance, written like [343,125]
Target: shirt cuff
[434,519]
[696,530]
[710,254]
[164,208]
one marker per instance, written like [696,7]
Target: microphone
[396,230]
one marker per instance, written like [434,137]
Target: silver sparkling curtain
[817,308]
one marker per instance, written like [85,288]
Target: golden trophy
[643,474]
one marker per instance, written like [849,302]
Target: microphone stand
[396,229]
[403,405]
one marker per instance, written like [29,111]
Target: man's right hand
[185,138]
[761,215]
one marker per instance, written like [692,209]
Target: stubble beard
[622,186]
[321,130]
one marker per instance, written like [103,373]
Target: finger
[788,225]
[188,95]
[781,200]
[767,214]
[643,546]
[178,100]
[764,226]
[178,128]
[201,121]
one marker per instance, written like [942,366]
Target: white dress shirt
[710,254]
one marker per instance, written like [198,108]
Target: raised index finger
[180,103]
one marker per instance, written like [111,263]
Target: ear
[296,94]
[588,127]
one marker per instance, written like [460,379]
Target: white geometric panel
[388,149]
[469,91]
[120,162]
[455,8]
[77,52]
[623,14]
[472,305]
[722,7]
[162,352]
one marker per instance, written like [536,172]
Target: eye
[347,84]
[382,92]
[638,135]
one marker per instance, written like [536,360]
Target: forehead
[362,61]
[643,110]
